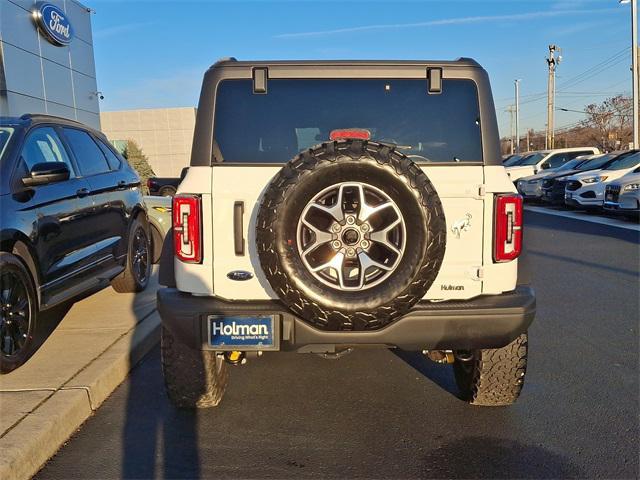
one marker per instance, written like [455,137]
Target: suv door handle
[82,192]
[238,228]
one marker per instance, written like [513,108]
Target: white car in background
[623,195]
[547,159]
[587,189]
[531,187]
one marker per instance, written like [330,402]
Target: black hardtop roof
[29,119]
[233,62]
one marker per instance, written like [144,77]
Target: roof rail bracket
[434,80]
[260,76]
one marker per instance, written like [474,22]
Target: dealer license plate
[241,331]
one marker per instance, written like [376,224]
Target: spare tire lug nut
[336,244]
[351,220]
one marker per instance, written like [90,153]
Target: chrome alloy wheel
[351,236]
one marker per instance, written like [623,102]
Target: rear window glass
[624,161]
[297,114]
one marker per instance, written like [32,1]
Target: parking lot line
[587,217]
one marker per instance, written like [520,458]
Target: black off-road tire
[11,266]
[192,378]
[381,166]
[129,281]
[495,376]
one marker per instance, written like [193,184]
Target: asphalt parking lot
[379,414]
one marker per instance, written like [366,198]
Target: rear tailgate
[242,186]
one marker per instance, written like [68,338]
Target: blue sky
[153,53]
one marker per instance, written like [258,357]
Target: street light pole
[517,82]
[636,80]
[634,66]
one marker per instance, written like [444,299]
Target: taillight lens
[507,240]
[150,183]
[187,228]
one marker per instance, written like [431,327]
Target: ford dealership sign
[53,23]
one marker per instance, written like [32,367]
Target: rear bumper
[489,321]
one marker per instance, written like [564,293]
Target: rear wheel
[135,276]
[18,312]
[493,376]
[192,378]
[167,192]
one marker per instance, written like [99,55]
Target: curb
[27,447]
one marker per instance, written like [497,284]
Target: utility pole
[517,83]
[528,140]
[552,62]
[511,110]
[636,72]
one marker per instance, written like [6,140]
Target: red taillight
[187,230]
[350,133]
[150,183]
[507,239]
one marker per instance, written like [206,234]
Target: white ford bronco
[331,205]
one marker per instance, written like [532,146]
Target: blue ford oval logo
[240,275]
[53,22]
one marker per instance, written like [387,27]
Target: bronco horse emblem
[462,225]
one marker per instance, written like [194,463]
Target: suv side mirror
[545,165]
[47,172]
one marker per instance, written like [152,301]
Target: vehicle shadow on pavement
[441,375]
[163,437]
[574,225]
[486,457]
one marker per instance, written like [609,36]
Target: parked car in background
[547,159]
[159,212]
[516,159]
[586,190]
[165,186]
[531,187]
[72,221]
[553,185]
[623,195]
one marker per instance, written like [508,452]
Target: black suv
[72,220]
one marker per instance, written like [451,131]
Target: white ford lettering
[235,329]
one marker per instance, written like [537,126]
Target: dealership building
[46,60]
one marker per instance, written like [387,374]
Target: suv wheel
[18,311]
[192,378]
[492,377]
[135,276]
[351,234]
[167,192]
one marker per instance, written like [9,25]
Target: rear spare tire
[351,234]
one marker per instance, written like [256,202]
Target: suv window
[44,145]
[596,163]
[90,158]
[112,159]
[297,114]
[532,159]
[626,161]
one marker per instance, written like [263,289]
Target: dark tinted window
[297,114]
[513,160]
[532,159]
[624,161]
[596,163]
[112,158]
[44,145]
[90,158]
